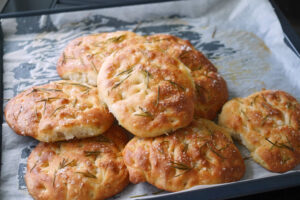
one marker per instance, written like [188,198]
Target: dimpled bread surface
[57,111]
[149,92]
[91,168]
[268,124]
[211,88]
[83,57]
[202,153]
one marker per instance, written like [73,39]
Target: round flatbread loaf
[83,57]
[57,111]
[91,168]
[202,153]
[211,88]
[268,124]
[149,92]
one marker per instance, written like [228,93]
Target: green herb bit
[254,100]
[85,92]
[75,84]
[176,84]
[158,93]
[116,39]
[64,163]
[127,71]
[91,153]
[48,99]
[264,120]
[54,177]
[61,107]
[87,174]
[35,112]
[120,82]
[141,195]
[94,67]
[215,152]
[280,145]
[180,166]
[158,192]
[74,102]
[184,54]
[243,112]
[147,75]
[144,113]
[35,164]
[43,90]
[214,33]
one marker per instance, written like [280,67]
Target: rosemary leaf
[91,153]
[87,174]
[158,93]
[144,113]
[116,39]
[147,75]
[280,145]
[180,166]
[120,82]
[94,67]
[177,85]
[35,164]
[61,107]
[54,177]
[75,84]
[128,71]
[64,163]
[104,139]
[141,195]
[74,102]
[43,90]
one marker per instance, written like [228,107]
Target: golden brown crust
[202,153]
[91,168]
[211,88]
[267,123]
[58,111]
[83,57]
[149,92]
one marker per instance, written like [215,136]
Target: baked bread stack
[161,90]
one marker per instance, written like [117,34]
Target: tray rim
[232,190]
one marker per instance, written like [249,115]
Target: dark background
[289,8]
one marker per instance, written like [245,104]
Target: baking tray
[237,189]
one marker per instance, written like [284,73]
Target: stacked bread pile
[163,91]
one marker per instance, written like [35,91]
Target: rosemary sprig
[144,113]
[116,39]
[43,90]
[280,145]
[35,112]
[215,152]
[157,99]
[180,166]
[158,192]
[91,153]
[141,195]
[54,177]
[87,174]
[127,71]
[176,84]
[214,33]
[102,138]
[75,84]
[74,102]
[48,99]
[120,82]
[35,164]
[61,107]
[147,75]
[94,67]
[64,163]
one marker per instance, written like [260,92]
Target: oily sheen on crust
[57,111]
[267,123]
[202,153]
[149,92]
[91,168]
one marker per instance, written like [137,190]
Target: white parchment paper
[243,39]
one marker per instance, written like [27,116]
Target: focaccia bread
[83,57]
[91,168]
[211,88]
[200,154]
[150,93]
[268,124]
[60,110]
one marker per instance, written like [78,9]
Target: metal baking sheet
[249,56]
